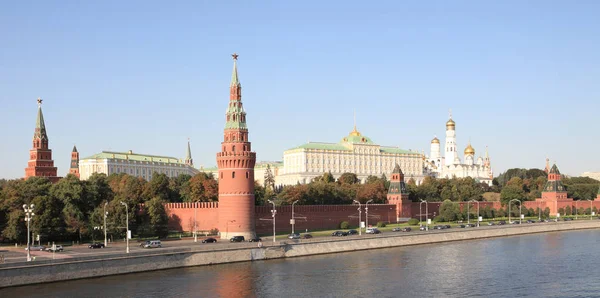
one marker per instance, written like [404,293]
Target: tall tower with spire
[236,168]
[74,169]
[40,162]
[188,155]
[398,194]
[450,154]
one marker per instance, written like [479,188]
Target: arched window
[232,174]
[233,148]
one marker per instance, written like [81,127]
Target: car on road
[423,228]
[406,229]
[254,240]
[491,223]
[209,240]
[294,236]
[237,239]
[339,234]
[307,236]
[396,229]
[447,226]
[373,231]
[502,222]
[153,244]
[352,232]
[470,225]
[461,226]
[96,245]
[144,243]
[439,227]
[55,248]
[37,247]
[530,221]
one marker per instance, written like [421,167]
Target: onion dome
[435,140]
[470,150]
[450,125]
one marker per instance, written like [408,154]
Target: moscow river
[560,264]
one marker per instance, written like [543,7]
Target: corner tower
[40,162]
[554,191]
[74,169]
[236,168]
[398,194]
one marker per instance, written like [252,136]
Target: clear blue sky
[519,76]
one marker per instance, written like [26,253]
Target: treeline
[73,209]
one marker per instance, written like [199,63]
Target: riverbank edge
[80,269]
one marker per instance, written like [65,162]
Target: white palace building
[135,164]
[355,153]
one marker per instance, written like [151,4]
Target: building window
[221,175]
[247,175]
[232,174]
[233,148]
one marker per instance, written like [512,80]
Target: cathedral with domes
[450,164]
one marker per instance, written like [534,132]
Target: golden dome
[435,141]
[355,132]
[469,150]
[450,124]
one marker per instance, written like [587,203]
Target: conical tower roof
[40,126]
[554,170]
[235,81]
[397,170]
[74,148]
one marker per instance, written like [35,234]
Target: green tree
[158,187]
[348,178]
[158,217]
[512,190]
[269,181]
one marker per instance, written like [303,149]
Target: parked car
[423,228]
[144,243]
[530,221]
[255,240]
[294,236]
[567,219]
[352,232]
[36,247]
[396,229]
[406,229]
[55,248]
[307,236]
[447,226]
[502,222]
[491,223]
[373,231]
[339,234]
[96,245]
[153,244]
[439,227]
[470,225]
[237,239]
[461,226]
[209,240]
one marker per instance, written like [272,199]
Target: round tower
[450,154]
[236,169]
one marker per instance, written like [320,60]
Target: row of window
[233,175]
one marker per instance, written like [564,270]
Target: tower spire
[40,126]
[188,155]
[234,75]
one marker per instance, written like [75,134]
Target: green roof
[396,150]
[133,156]
[323,146]
[273,164]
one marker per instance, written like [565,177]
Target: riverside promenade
[24,273]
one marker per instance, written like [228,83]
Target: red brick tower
[74,169]
[398,194]
[555,193]
[40,162]
[236,169]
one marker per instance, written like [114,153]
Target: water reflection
[542,265]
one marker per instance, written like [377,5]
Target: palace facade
[135,164]
[355,153]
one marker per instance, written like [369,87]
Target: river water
[560,264]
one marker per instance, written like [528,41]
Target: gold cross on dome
[234,55]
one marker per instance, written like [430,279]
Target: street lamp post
[539,211]
[127,225]
[195,229]
[509,202]
[28,216]
[105,214]
[590,208]
[359,218]
[426,214]
[468,221]
[293,219]
[367,212]
[273,213]
[576,209]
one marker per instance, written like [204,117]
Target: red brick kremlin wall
[181,216]
[318,217]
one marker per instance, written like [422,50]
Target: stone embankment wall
[31,273]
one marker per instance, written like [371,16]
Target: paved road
[12,254]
